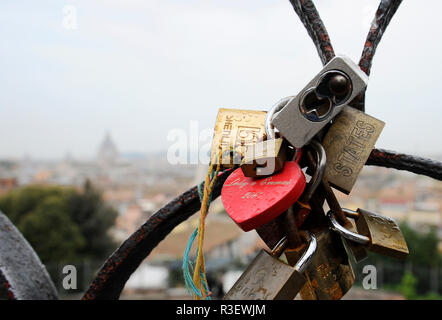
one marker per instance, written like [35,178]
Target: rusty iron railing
[115,272]
[117,269]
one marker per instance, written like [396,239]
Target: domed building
[107,153]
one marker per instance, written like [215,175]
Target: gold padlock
[268,278]
[264,158]
[377,233]
[348,144]
[235,130]
[330,274]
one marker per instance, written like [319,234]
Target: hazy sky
[142,68]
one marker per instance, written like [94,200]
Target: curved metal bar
[347,234]
[320,169]
[113,275]
[391,159]
[309,16]
[308,255]
[22,275]
[384,13]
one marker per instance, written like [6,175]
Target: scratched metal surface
[22,275]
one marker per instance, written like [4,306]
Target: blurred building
[107,152]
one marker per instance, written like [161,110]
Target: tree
[61,223]
[51,231]
[423,246]
[408,286]
[20,202]
[94,218]
[423,259]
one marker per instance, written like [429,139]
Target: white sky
[142,68]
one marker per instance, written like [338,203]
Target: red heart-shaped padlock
[253,202]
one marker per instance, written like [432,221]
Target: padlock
[268,278]
[330,274]
[273,231]
[320,101]
[378,233]
[235,130]
[348,144]
[270,129]
[253,202]
[356,250]
[265,158]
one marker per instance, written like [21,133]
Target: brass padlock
[268,278]
[330,274]
[235,130]
[378,233]
[264,158]
[348,144]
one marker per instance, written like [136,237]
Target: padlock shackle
[308,255]
[347,234]
[319,172]
[279,248]
[270,130]
[351,213]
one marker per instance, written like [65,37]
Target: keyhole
[313,107]
[336,85]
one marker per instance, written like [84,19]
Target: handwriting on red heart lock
[252,202]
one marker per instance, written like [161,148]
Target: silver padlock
[338,83]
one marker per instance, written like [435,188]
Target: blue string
[188,264]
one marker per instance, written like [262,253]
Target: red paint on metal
[252,203]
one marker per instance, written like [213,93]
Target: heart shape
[252,202]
